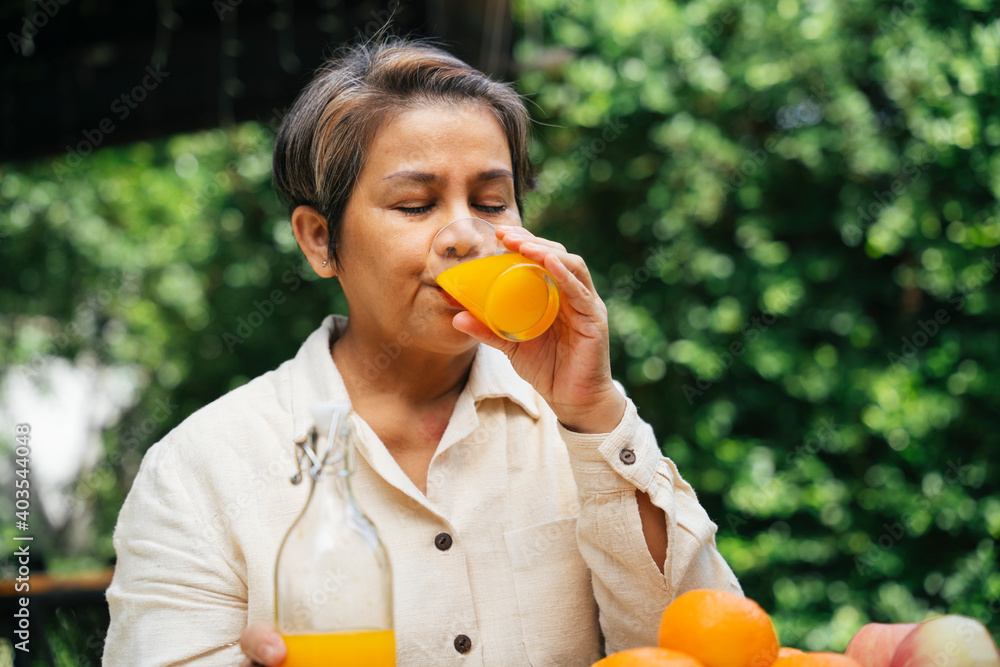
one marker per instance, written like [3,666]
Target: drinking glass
[511,294]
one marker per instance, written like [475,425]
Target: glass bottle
[333,583]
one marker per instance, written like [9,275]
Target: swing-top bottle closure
[330,421]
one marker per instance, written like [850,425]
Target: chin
[457,342]
[438,335]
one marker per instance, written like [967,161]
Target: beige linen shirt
[548,564]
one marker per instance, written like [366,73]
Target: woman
[528,513]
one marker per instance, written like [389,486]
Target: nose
[461,239]
[454,242]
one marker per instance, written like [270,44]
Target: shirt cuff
[627,457]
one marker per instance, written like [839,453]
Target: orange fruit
[648,657]
[816,659]
[720,629]
[786,651]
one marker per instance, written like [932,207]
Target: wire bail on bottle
[308,451]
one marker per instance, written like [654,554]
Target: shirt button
[627,456]
[443,542]
[463,644]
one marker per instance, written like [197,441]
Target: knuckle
[579,267]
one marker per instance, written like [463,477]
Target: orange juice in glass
[372,648]
[511,294]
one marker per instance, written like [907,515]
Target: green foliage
[790,209]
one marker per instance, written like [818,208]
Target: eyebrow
[425,177]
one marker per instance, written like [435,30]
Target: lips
[449,299]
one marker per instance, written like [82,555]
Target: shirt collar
[492,376]
[316,378]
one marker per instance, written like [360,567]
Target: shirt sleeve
[175,599]
[631,591]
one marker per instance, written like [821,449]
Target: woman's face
[429,166]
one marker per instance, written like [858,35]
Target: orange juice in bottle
[374,648]
[333,583]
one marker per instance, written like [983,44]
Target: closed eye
[414,210]
[419,210]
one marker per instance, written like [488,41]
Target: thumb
[263,645]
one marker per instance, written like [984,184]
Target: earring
[324,263]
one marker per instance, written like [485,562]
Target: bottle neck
[331,467]
[330,499]
[330,490]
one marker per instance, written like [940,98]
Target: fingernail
[267,652]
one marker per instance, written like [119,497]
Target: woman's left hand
[570,364]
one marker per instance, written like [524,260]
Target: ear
[312,233]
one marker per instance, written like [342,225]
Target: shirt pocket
[555,596]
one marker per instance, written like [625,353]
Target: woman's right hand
[262,646]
